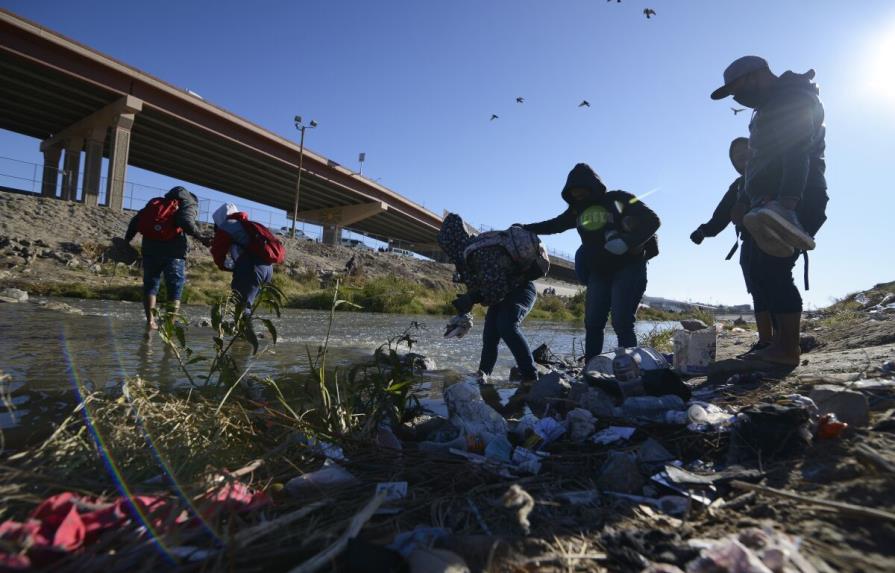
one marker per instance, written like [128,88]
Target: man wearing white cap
[783,199]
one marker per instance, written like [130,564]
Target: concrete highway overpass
[83,104]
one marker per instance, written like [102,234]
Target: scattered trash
[499,449]
[829,427]
[889,366]
[527,461]
[386,438]
[329,476]
[746,378]
[613,434]
[325,449]
[407,542]
[547,389]
[581,497]
[862,299]
[547,431]
[751,551]
[598,403]
[394,491]
[704,416]
[670,504]
[769,430]
[652,452]
[580,424]
[694,351]
[656,409]
[436,561]
[620,473]
[458,326]
[519,499]
[663,478]
[471,414]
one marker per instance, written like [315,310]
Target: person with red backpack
[247,249]
[164,224]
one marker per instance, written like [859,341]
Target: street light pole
[301,157]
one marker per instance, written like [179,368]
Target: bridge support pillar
[332,234]
[71,168]
[93,164]
[119,149]
[334,219]
[50,178]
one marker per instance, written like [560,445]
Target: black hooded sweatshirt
[186,218]
[602,211]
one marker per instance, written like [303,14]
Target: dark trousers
[248,277]
[770,280]
[502,323]
[620,293]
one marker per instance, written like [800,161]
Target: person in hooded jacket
[494,280]
[783,199]
[618,237]
[230,253]
[167,258]
[721,218]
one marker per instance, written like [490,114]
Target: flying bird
[736,111]
[493,116]
[648,12]
[584,103]
[520,100]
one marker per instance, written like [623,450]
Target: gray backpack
[524,247]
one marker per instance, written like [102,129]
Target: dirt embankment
[45,241]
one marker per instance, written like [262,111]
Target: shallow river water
[49,350]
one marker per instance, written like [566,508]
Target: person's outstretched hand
[463,303]
[697,236]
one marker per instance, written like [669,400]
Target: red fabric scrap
[67,522]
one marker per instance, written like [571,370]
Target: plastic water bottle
[659,409]
[626,365]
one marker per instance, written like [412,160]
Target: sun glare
[880,70]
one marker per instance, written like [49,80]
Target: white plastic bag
[471,414]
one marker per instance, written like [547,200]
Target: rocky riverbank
[758,478]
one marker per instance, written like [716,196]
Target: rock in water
[13,295]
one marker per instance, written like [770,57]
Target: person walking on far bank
[164,224]
[784,195]
[618,237]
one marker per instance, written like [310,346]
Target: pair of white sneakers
[777,230]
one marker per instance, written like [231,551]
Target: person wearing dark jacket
[721,218]
[494,280]
[167,258]
[618,237]
[783,199]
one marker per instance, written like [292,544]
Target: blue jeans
[174,270]
[248,277]
[502,323]
[617,291]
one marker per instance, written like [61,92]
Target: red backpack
[157,219]
[263,244]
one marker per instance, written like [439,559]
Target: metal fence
[28,176]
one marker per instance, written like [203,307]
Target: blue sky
[413,84]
